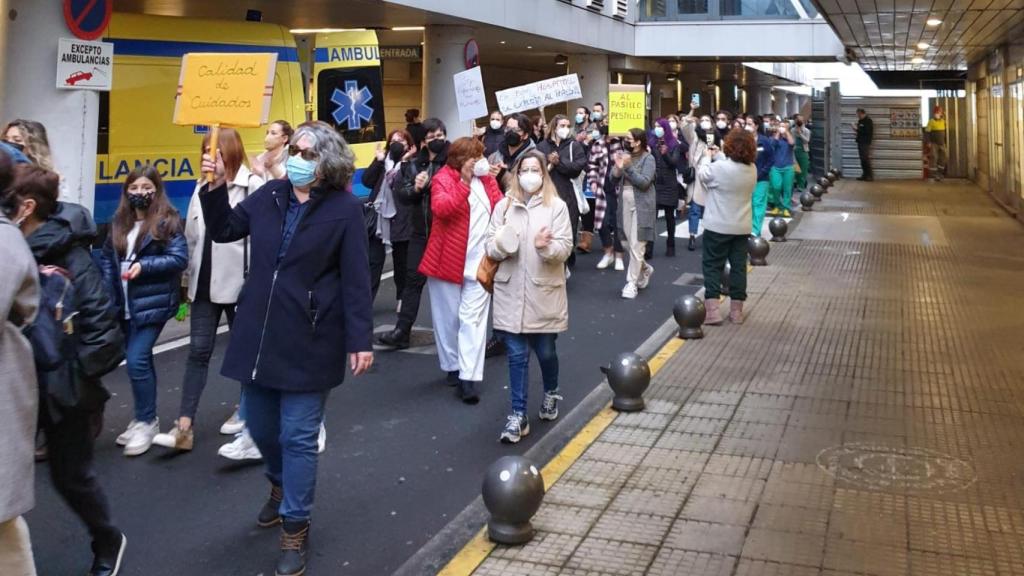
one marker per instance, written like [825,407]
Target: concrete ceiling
[884,34]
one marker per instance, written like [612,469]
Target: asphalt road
[403,456]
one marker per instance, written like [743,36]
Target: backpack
[52,332]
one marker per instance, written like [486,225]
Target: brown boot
[736,311]
[714,316]
[586,239]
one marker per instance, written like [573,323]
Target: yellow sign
[226,89]
[627,108]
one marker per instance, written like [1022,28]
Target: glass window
[752,8]
[692,6]
[351,100]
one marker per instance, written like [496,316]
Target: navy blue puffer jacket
[153,296]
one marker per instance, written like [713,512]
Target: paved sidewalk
[868,418]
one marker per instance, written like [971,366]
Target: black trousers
[205,317]
[717,249]
[70,455]
[378,254]
[412,283]
[670,223]
[587,220]
[609,232]
[864,150]
[574,221]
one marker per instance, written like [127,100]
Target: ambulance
[341,70]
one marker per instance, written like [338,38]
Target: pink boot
[736,311]
[713,317]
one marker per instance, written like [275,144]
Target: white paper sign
[83,65]
[538,94]
[469,94]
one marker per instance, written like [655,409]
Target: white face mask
[530,182]
[481,168]
[705,124]
[495,124]
[721,124]
[673,125]
[562,133]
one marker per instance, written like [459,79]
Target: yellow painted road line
[480,547]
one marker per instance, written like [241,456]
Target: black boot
[452,378]
[495,347]
[294,545]
[467,392]
[396,339]
[670,250]
[107,555]
[692,244]
[270,514]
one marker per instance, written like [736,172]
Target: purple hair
[669,138]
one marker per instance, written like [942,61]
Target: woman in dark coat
[388,223]
[305,307]
[666,150]
[566,160]
[144,256]
[72,396]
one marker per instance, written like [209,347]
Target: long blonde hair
[547,190]
[37,143]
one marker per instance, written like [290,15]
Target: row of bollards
[513,487]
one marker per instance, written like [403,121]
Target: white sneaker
[142,438]
[321,439]
[232,425]
[629,291]
[606,261]
[241,448]
[619,264]
[176,439]
[568,273]
[125,436]
[645,276]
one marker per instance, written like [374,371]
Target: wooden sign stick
[214,135]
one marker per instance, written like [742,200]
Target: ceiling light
[917,60]
[529,47]
[933,22]
[561,60]
[923,45]
[502,42]
[324,30]
[407,28]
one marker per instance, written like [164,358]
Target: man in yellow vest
[937,139]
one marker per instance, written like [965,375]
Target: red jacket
[445,256]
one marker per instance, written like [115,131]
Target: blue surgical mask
[595,116]
[580,118]
[301,172]
[659,132]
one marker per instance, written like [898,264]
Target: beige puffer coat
[529,287]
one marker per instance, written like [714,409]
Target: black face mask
[513,138]
[140,201]
[436,146]
[396,151]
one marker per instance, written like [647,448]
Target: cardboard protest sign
[539,94]
[627,108]
[225,89]
[469,94]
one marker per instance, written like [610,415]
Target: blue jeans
[696,213]
[139,342]
[285,426]
[519,346]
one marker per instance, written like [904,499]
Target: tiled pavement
[868,418]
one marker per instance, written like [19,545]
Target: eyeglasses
[307,154]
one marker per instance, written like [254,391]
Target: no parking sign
[87,19]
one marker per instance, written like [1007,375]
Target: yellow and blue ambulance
[135,120]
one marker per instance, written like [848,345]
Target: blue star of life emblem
[352,105]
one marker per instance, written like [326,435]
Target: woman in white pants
[633,174]
[462,197]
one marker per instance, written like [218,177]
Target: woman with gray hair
[306,298]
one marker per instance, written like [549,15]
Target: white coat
[529,286]
[227,269]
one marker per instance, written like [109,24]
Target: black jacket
[563,173]
[153,296]
[492,139]
[297,319]
[865,130]
[373,177]
[419,202]
[666,187]
[64,241]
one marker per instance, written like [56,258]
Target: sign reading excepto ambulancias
[905,123]
[84,65]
